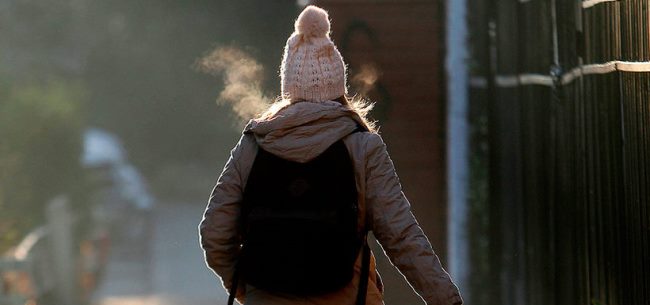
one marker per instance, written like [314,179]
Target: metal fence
[560,141]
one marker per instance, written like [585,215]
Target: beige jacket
[300,133]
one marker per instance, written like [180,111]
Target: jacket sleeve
[398,232]
[218,230]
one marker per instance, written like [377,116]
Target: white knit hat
[312,67]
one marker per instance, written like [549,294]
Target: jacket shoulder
[365,141]
[246,144]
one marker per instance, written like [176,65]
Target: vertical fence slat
[570,161]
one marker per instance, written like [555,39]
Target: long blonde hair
[358,105]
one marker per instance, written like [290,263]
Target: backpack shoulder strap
[365,272]
[365,258]
[233,286]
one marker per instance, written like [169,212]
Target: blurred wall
[401,43]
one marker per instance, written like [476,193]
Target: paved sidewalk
[167,270]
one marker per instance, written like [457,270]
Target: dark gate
[560,167]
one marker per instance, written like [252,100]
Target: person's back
[314,116]
[294,214]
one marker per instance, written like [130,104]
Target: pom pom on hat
[312,67]
[313,22]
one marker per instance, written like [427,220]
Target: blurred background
[520,131]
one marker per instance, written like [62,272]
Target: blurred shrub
[40,145]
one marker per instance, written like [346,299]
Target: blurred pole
[457,142]
[60,221]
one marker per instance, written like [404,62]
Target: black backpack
[300,225]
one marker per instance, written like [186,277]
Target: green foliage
[40,145]
[136,61]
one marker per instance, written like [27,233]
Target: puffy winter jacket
[299,133]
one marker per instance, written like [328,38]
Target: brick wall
[403,41]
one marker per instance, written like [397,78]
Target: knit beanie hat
[312,68]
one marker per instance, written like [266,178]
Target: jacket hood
[302,131]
